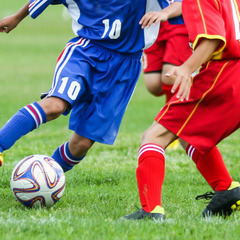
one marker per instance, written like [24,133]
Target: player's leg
[152,65]
[157,84]
[53,107]
[29,118]
[33,115]
[22,122]
[211,166]
[72,152]
[153,83]
[97,105]
[226,198]
[150,172]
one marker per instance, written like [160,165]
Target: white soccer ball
[38,181]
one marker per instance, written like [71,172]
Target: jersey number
[73,89]
[115,28]
[236,20]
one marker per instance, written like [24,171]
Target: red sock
[167,91]
[150,175]
[212,168]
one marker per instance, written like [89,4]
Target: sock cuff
[36,112]
[41,111]
[151,147]
[68,157]
[190,150]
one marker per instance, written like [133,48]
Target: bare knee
[167,80]
[53,107]
[158,134]
[153,83]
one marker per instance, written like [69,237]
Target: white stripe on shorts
[66,55]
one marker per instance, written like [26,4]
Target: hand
[7,24]
[182,81]
[153,18]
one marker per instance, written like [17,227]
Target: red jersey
[214,19]
[213,110]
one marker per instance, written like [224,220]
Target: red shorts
[213,110]
[171,46]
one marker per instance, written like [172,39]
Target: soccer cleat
[223,203]
[1,159]
[174,145]
[157,214]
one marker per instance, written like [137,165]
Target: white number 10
[115,30]
[73,89]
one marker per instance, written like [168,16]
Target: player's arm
[8,23]
[173,10]
[182,74]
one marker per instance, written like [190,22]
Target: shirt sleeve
[203,20]
[36,7]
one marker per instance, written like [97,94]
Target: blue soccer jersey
[99,68]
[114,24]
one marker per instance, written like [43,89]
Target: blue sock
[24,121]
[64,158]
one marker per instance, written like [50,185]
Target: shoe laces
[137,208]
[207,196]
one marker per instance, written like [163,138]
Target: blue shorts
[98,84]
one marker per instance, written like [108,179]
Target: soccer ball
[38,181]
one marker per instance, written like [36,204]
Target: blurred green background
[103,187]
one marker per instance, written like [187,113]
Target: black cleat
[222,203]
[157,214]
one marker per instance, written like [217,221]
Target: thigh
[153,82]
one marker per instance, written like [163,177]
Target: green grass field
[103,187]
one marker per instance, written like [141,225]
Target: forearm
[155,17]
[173,10]
[201,54]
[23,12]
[182,74]
[8,23]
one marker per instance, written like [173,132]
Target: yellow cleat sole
[174,145]
[236,206]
